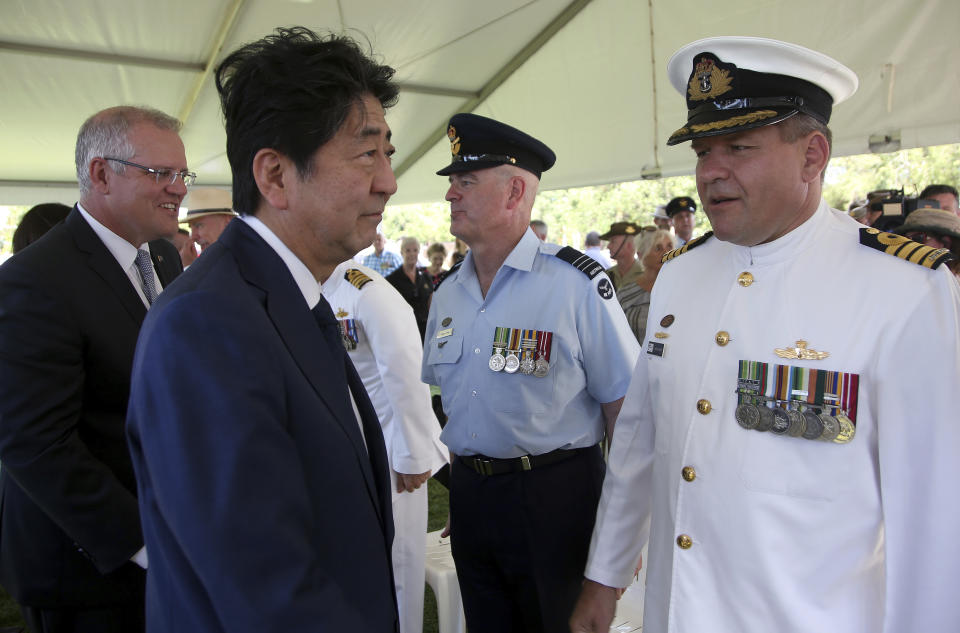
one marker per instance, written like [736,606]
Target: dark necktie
[369,422]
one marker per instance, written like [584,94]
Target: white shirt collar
[301,274]
[123,251]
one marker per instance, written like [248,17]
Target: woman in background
[436,253]
[635,298]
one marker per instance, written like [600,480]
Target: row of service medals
[794,419]
[803,402]
[523,350]
[349,333]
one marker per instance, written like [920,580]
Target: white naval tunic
[787,534]
[388,357]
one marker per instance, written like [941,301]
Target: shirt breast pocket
[444,351]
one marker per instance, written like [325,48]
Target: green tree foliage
[571,213]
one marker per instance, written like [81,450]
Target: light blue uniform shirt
[501,415]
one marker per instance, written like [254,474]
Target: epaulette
[584,263]
[904,248]
[356,277]
[447,273]
[686,247]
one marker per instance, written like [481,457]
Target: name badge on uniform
[655,349]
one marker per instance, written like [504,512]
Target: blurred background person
[937,228]
[661,220]
[436,253]
[540,228]
[37,221]
[945,195]
[460,249]
[622,249]
[594,249]
[681,211]
[413,284]
[635,297]
[381,260]
[209,211]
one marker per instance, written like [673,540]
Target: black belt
[492,466]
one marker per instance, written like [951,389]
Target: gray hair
[105,134]
[409,240]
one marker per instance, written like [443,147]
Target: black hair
[935,190]
[37,221]
[292,91]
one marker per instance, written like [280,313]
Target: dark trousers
[520,542]
[122,618]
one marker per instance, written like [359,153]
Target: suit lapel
[103,263]
[297,327]
[166,261]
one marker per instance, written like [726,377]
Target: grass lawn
[10,613]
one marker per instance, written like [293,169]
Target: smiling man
[265,493]
[533,355]
[804,480]
[209,213]
[72,306]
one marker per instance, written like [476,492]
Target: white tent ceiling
[586,76]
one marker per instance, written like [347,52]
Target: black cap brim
[729,122]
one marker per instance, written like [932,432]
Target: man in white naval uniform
[789,439]
[383,341]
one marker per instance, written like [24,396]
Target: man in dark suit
[261,466]
[71,305]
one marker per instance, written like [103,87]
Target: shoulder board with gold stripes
[686,247]
[584,263]
[356,277]
[904,248]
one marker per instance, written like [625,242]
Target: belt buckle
[483,466]
[525,463]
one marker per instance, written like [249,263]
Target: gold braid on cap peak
[743,119]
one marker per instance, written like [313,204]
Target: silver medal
[747,415]
[781,422]
[497,362]
[512,363]
[814,425]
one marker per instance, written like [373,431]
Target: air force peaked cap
[477,142]
[682,203]
[737,83]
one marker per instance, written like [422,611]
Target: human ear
[271,171]
[816,153]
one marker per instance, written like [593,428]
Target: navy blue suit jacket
[263,509]
[69,319]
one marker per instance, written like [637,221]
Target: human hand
[595,608]
[188,254]
[409,483]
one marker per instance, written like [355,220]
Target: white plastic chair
[442,578]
